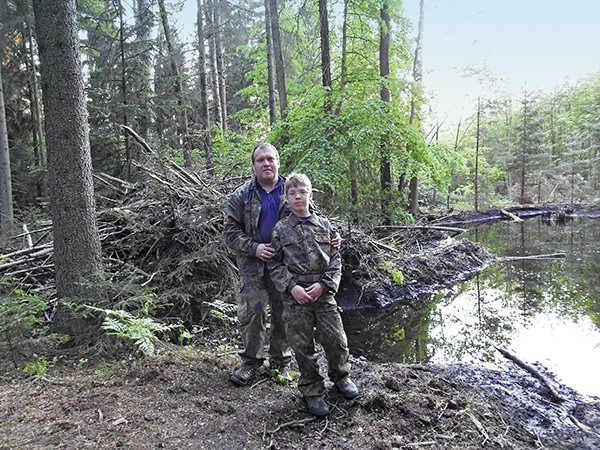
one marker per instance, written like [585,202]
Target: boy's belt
[307,278]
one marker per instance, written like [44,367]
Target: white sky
[529,44]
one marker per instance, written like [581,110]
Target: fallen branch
[554,396]
[583,427]
[516,258]
[421,227]
[292,423]
[512,216]
[31,258]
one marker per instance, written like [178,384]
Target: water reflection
[545,310]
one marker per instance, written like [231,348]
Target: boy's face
[299,197]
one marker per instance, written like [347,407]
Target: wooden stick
[27,241]
[421,227]
[25,251]
[511,215]
[554,396]
[138,138]
[516,258]
[292,423]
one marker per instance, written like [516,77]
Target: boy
[308,269]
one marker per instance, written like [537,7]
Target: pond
[542,310]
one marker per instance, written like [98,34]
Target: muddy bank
[184,400]
[553,213]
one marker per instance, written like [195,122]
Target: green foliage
[278,378]
[222,311]
[397,333]
[37,368]
[141,330]
[21,320]
[395,273]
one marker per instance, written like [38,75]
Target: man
[252,211]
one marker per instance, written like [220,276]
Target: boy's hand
[315,291]
[300,295]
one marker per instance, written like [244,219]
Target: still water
[544,310]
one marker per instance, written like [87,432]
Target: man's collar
[278,185]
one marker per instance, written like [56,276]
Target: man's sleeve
[235,237]
[280,275]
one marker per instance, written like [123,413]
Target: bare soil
[183,399]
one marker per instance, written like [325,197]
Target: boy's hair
[297,179]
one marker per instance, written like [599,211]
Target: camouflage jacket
[240,228]
[304,254]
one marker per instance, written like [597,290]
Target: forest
[122,133]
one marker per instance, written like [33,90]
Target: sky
[527,45]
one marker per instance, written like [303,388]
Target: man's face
[266,165]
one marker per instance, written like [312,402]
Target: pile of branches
[164,233]
[404,264]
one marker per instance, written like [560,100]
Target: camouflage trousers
[259,301]
[301,322]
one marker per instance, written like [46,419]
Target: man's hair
[297,179]
[263,146]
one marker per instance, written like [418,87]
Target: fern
[142,331]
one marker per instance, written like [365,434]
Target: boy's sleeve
[280,275]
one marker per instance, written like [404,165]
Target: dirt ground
[183,399]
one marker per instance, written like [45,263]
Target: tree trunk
[278,55]
[39,142]
[522,199]
[384,72]
[124,99]
[476,179]
[204,106]
[417,62]
[220,61]
[343,64]
[270,70]
[325,58]
[182,113]
[413,194]
[142,89]
[212,57]
[6,204]
[77,252]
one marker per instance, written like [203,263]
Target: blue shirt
[269,210]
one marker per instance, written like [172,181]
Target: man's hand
[264,252]
[336,238]
[300,295]
[315,291]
